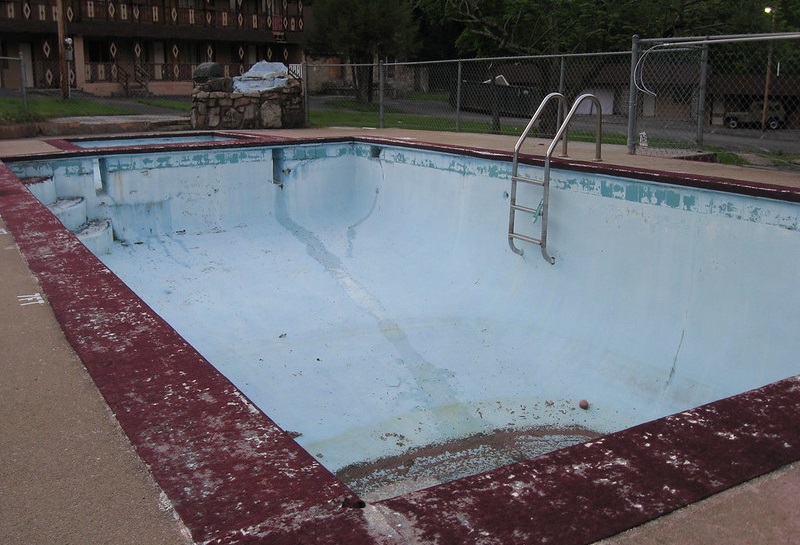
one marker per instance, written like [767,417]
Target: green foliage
[530,27]
[361,30]
[363,117]
[182,105]
[360,107]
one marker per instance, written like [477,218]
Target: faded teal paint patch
[454,163]
[320,151]
[500,171]
[459,167]
[79,168]
[757,211]
[741,207]
[121,163]
[630,191]
[363,151]
[612,189]
[666,197]
[66,167]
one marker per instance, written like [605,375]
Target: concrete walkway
[69,475]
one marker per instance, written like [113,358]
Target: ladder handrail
[568,118]
[515,161]
[533,120]
[546,182]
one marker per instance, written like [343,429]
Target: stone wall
[215,105]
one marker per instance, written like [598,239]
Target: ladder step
[525,209]
[525,238]
[527,180]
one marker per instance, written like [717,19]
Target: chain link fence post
[701,97]
[632,97]
[381,91]
[23,84]
[306,95]
[561,88]
[459,79]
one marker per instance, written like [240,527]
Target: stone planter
[216,106]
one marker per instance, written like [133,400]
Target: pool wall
[576,495]
[658,288]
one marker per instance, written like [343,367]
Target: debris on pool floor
[430,465]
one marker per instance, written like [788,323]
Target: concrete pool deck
[764,510]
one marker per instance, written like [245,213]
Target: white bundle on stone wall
[262,76]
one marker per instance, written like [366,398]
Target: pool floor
[361,372]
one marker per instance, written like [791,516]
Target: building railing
[82,11]
[130,74]
[100,72]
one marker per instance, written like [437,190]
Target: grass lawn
[369,117]
[180,105]
[39,109]
[42,108]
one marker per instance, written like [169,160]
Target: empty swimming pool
[364,296]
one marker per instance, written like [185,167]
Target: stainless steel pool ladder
[543,207]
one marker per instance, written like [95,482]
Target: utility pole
[62,49]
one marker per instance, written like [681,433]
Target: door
[158,60]
[27,60]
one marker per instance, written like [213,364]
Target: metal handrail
[561,131]
[542,242]
[514,171]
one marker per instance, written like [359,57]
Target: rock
[270,115]
[207,71]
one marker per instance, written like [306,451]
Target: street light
[768,81]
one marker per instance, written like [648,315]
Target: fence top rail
[479,59]
[546,56]
[732,38]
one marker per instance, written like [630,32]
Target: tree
[533,27]
[363,30]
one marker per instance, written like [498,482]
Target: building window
[97,50]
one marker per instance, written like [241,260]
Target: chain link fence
[12,79]
[497,95]
[737,96]
[679,97]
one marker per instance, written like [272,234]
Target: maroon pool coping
[234,477]
[230,139]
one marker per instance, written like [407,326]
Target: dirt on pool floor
[430,465]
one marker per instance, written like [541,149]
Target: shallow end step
[97,236]
[71,212]
[43,188]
